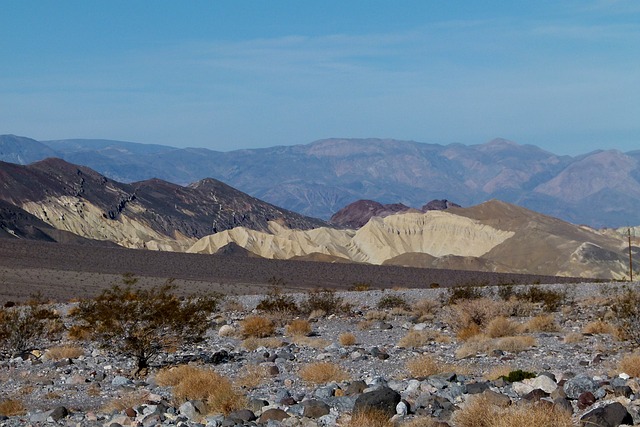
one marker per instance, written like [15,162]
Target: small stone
[578,385]
[585,400]
[119,380]
[402,408]
[130,412]
[274,414]
[314,408]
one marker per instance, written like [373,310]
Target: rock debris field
[540,355]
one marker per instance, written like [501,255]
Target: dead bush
[252,376]
[425,365]
[12,407]
[253,343]
[257,327]
[573,337]
[129,399]
[599,327]
[64,352]
[478,411]
[298,327]
[141,323]
[468,332]
[626,311]
[542,323]
[322,373]
[416,339]
[502,327]
[425,309]
[370,418]
[630,364]
[347,339]
[468,312]
[483,344]
[376,315]
[317,343]
[195,383]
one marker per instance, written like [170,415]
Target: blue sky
[563,75]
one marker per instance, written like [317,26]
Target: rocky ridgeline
[576,375]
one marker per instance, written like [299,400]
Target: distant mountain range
[53,200]
[600,189]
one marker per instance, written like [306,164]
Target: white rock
[402,409]
[544,383]
[521,388]
[226,331]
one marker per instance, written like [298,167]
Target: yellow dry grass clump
[64,352]
[482,344]
[542,323]
[127,400]
[252,343]
[195,383]
[573,337]
[298,327]
[322,373]
[416,339]
[257,327]
[12,407]
[599,327]
[347,339]
[252,376]
[479,412]
[370,418]
[630,364]
[502,327]
[425,365]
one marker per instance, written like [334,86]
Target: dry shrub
[502,327]
[194,383]
[468,332]
[515,344]
[370,418]
[317,343]
[425,309]
[573,337]
[127,400]
[257,327]
[497,372]
[298,327]
[442,339]
[376,315]
[79,333]
[365,325]
[630,364]
[425,365]
[542,323]
[416,339]
[483,344]
[347,339]
[64,352]
[388,302]
[233,306]
[466,312]
[479,412]
[252,376]
[317,314]
[252,343]
[322,373]
[599,327]
[12,407]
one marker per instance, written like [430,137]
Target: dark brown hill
[78,199]
[357,214]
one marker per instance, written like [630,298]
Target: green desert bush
[277,301]
[626,310]
[324,300]
[21,326]
[142,323]
[393,301]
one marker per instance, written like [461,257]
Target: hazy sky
[563,75]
